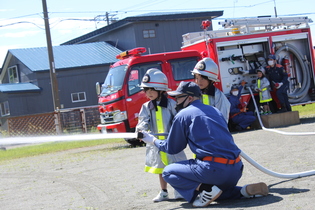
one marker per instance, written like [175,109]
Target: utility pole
[52,70]
[53,77]
[275,7]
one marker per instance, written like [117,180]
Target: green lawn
[32,150]
[306,111]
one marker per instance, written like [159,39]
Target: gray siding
[124,38]
[168,34]
[25,74]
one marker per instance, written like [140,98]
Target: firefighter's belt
[235,114]
[222,160]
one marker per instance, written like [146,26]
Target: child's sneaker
[162,196]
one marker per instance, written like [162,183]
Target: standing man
[279,80]
[217,167]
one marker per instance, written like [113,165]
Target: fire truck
[239,48]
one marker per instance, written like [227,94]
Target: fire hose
[84,137]
[267,171]
[299,94]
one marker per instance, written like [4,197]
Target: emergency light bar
[134,52]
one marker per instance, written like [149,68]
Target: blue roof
[67,56]
[18,87]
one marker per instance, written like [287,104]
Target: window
[148,33]
[136,74]
[5,110]
[78,97]
[13,74]
[182,68]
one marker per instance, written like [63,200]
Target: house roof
[67,56]
[161,16]
[18,88]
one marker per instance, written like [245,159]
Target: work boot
[205,197]
[162,196]
[255,190]
[283,108]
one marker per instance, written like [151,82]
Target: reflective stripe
[261,92]
[160,129]
[153,170]
[205,99]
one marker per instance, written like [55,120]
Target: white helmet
[156,79]
[262,70]
[207,67]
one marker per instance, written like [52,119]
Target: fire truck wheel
[135,142]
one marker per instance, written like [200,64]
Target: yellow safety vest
[261,92]
[205,99]
[160,128]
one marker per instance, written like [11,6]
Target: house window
[148,33]
[13,74]
[5,110]
[78,97]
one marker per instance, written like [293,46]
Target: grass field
[307,111]
[32,150]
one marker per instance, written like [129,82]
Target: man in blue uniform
[238,111]
[279,80]
[218,167]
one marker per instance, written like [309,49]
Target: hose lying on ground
[267,171]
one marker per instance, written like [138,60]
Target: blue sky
[22,24]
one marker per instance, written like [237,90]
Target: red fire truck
[241,46]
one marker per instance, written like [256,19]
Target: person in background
[206,74]
[263,86]
[238,112]
[217,168]
[279,80]
[156,116]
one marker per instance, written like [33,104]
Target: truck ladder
[266,22]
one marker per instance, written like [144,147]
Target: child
[156,116]
[263,87]
[238,113]
[205,75]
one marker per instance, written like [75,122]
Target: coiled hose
[298,95]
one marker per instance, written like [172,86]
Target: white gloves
[278,85]
[148,138]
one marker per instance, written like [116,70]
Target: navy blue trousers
[244,119]
[186,176]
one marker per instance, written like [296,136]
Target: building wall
[25,74]
[123,38]
[168,34]
[82,80]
